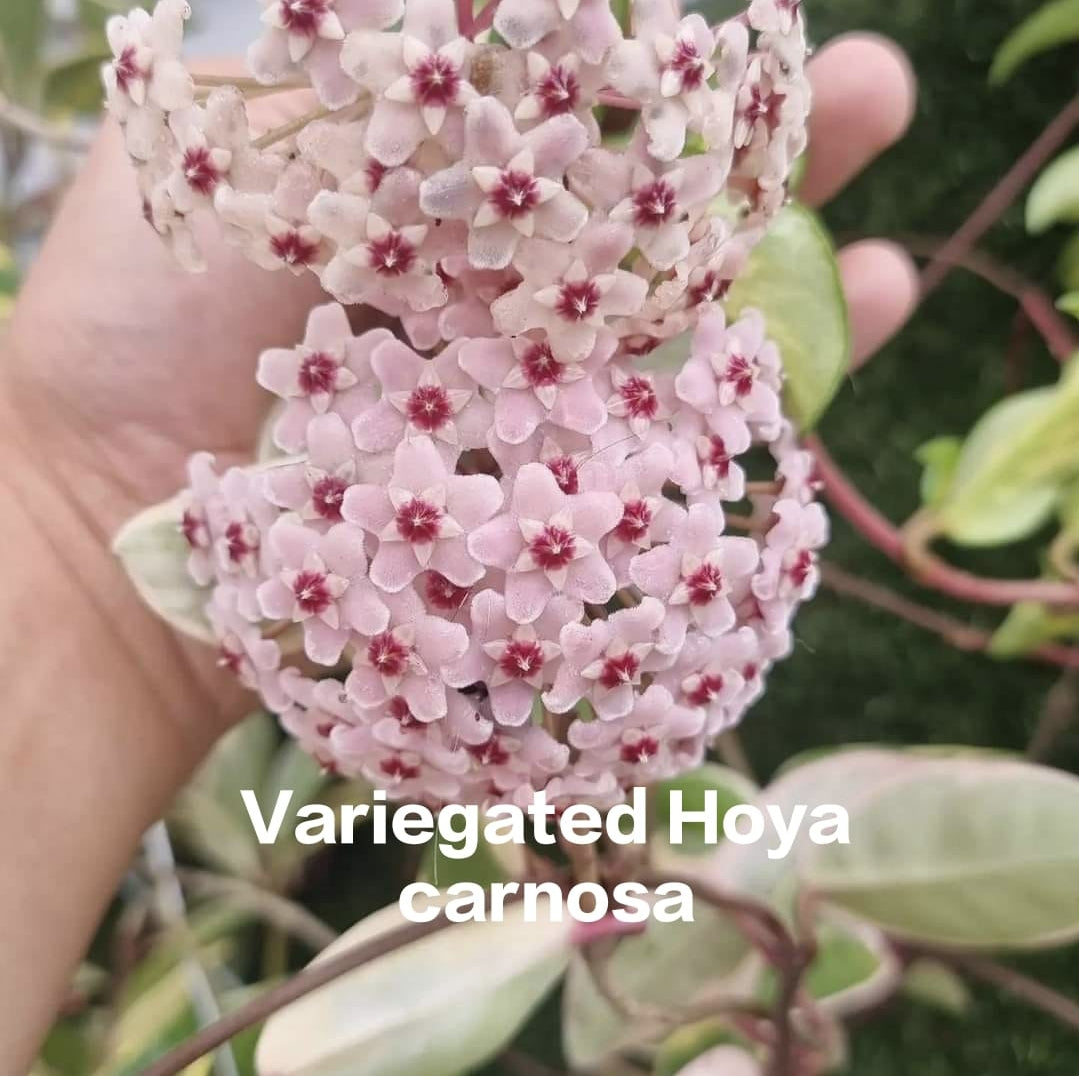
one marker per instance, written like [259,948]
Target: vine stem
[485,19]
[300,985]
[466,18]
[930,571]
[30,123]
[613,99]
[952,631]
[287,130]
[1001,196]
[1054,329]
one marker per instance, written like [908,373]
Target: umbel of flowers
[499,548]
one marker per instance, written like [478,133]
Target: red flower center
[799,571]
[398,769]
[127,69]
[193,528]
[741,373]
[317,374]
[717,456]
[303,17]
[241,541]
[293,249]
[705,584]
[558,91]
[443,594]
[521,658]
[640,397]
[619,670]
[400,711]
[327,495]
[565,473]
[375,171]
[435,81]
[577,300]
[750,672]
[539,366]
[765,104]
[199,171]
[311,592]
[418,521]
[517,193]
[636,519]
[230,658]
[710,288]
[708,687]
[428,407]
[387,654]
[392,255]
[647,747]
[688,63]
[654,204]
[491,753]
[553,547]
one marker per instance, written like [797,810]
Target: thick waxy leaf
[689,1042]
[1069,303]
[962,852]
[1054,198]
[1030,625]
[793,279]
[667,967]
[1054,24]
[438,1007]
[935,984]
[855,968]
[938,459]
[154,554]
[1013,465]
[838,778]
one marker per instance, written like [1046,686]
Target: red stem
[930,571]
[1001,196]
[485,19]
[1054,329]
[466,18]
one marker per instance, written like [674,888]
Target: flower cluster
[523,552]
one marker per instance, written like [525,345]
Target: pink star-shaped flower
[546,543]
[421,517]
[320,581]
[698,572]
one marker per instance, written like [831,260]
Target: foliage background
[857,674]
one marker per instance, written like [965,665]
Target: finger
[864,94]
[881,284]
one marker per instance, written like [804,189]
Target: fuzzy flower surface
[495,545]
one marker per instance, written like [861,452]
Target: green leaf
[689,1042]
[1029,625]
[22,31]
[669,966]
[1054,198]
[935,984]
[970,853]
[1067,268]
[938,458]
[438,1007]
[1052,25]
[74,86]
[1013,464]
[154,554]
[793,279]
[731,788]
[1069,303]
[855,968]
